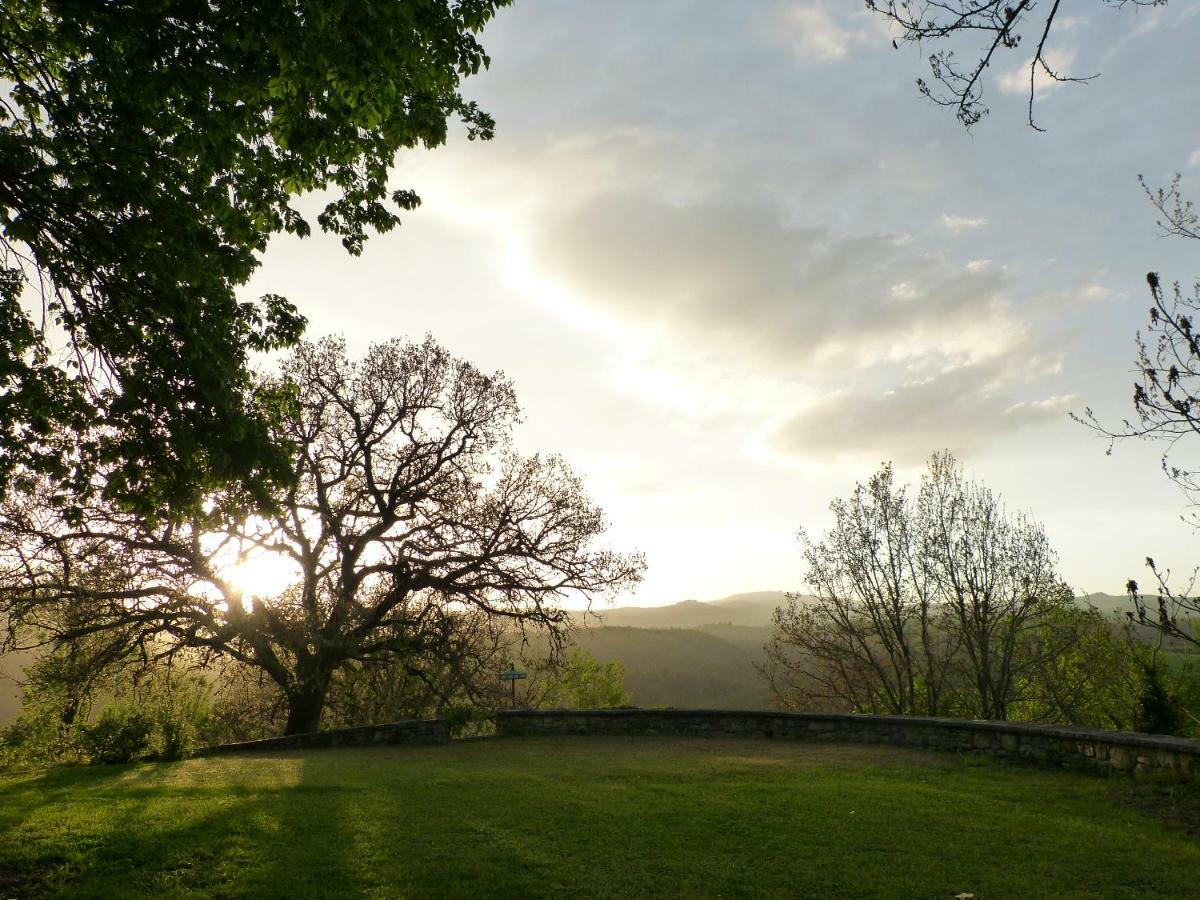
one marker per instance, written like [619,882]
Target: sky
[732,262]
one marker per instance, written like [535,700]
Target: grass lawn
[587,816]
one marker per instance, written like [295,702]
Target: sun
[262,575]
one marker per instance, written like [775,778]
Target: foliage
[246,705]
[1094,676]
[409,526]
[424,684]
[153,712]
[127,128]
[583,682]
[585,816]
[938,605]
[123,733]
[1000,25]
[1158,712]
[468,720]
[37,739]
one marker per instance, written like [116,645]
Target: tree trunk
[305,703]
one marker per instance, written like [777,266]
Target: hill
[752,609]
[686,667]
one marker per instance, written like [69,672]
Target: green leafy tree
[583,682]
[1088,670]
[148,152]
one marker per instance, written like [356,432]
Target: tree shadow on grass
[130,831]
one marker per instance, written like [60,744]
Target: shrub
[466,721]
[121,735]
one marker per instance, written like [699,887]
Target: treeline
[940,602]
[83,703]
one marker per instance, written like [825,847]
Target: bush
[180,711]
[122,734]
[468,721]
[38,738]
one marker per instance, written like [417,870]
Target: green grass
[587,816]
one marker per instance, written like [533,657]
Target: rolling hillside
[689,654]
[685,667]
[752,609]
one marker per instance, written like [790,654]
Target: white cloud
[1016,81]
[959,224]
[961,408]
[817,35]
[1093,292]
[1194,160]
[716,302]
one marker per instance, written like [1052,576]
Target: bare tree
[937,606]
[407,513]
[868,636]
[996,576]
[994,26]
[1166,402]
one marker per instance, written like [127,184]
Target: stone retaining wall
[409,731]
[1045,744]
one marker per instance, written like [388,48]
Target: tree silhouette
[406,515]
[999,26]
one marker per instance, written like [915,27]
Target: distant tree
[1087,670]
[995,573]
[148,152]
[993,27]
[406,512]
[869,635]
[936,606]
[583,682]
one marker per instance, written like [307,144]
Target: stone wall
[1044,744]
[409,731]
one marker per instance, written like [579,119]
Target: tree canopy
[148,152]
[406,522]
[937,604]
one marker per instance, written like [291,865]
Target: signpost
[512,674]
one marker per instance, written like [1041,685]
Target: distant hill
[685,667]
[1107,603]
[691,653]
[753,610]
[704,654]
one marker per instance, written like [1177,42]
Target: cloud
[720,301]
[1016,81]
[816,35]
[962,408]
[1194,160]
[959,224]
[1093,292]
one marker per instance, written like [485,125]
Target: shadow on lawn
[135,833]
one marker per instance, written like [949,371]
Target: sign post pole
[511,675]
